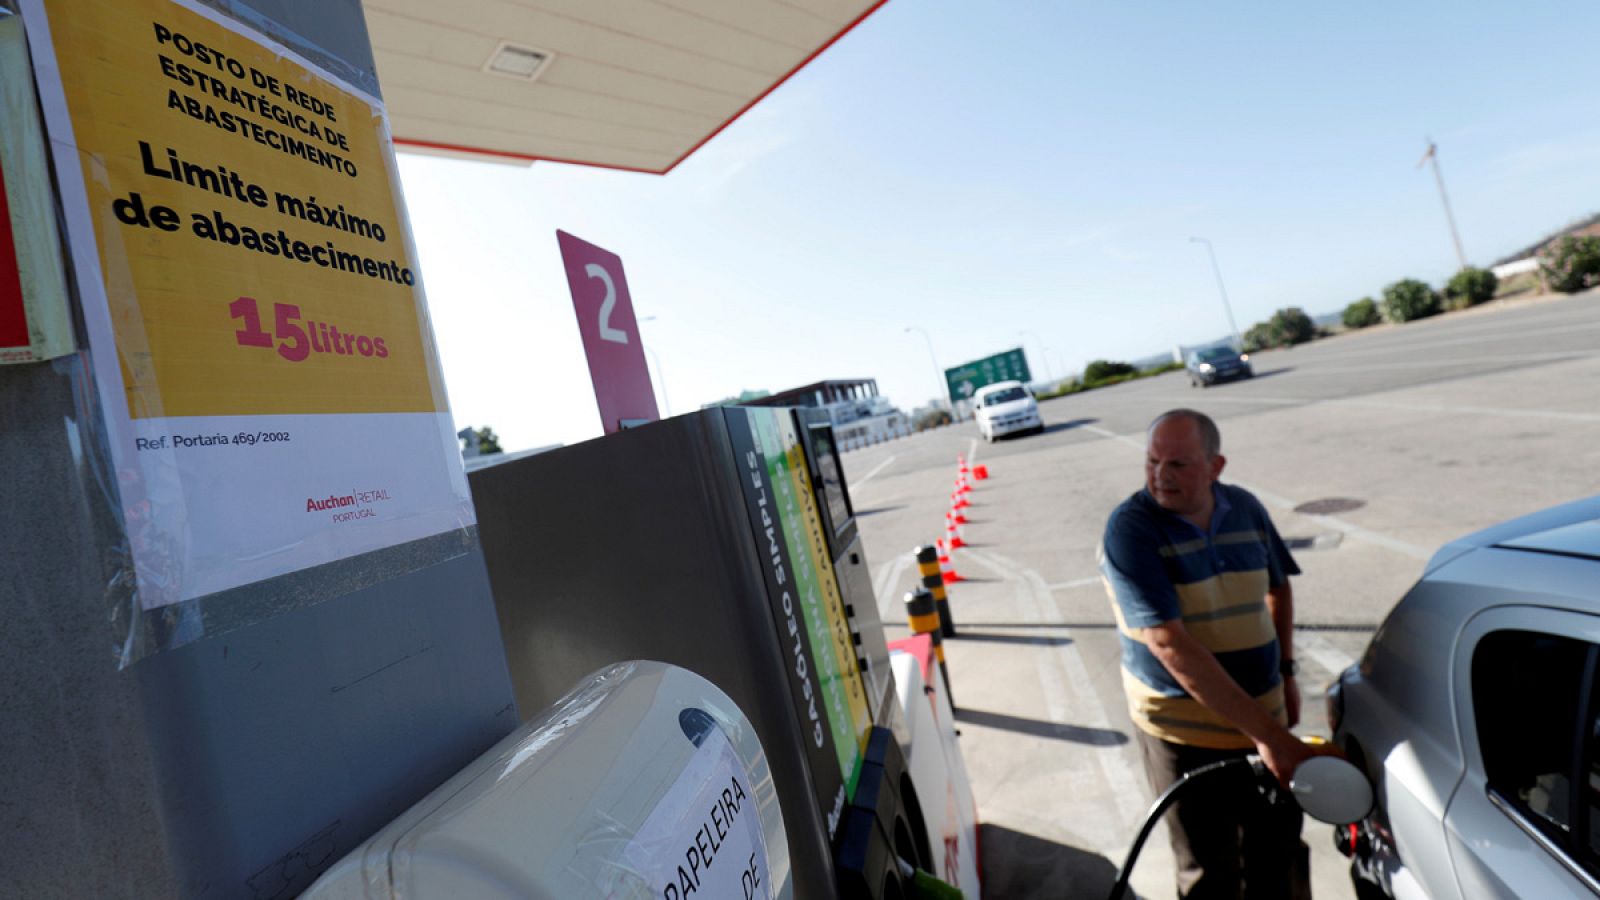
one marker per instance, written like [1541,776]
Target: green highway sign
[965,379]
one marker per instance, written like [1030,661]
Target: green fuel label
[844,695]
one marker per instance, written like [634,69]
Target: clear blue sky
[978,169]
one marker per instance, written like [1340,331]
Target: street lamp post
[1238,342]
[661,374]
[938,373]
[1045,356]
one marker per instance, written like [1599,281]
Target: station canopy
[626,84]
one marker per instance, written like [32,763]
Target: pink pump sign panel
[610,334]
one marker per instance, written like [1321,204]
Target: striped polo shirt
[1157,567]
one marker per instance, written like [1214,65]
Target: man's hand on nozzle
[1284,753]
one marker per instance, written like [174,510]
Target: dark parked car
[1214,364]
[1476,712]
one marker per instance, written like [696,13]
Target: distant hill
[1590,225]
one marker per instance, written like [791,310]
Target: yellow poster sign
[256,325]
[247,216]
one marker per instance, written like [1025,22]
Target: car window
[1530,692]
[1587,801]
[1591,795]
[1005,396]
[1215,354]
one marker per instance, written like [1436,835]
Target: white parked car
[1006,407]
[1476,712]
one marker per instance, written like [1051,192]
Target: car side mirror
[1332,790]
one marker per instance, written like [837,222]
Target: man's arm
[1280,604]
[1199,673]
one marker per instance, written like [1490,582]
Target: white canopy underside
[630,84]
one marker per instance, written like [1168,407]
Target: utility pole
[1238,342]
[1044,357]
[661,375]
[938,373]
[1433,156]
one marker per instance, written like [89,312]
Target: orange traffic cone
[952,533]
[956,514]
[947,569]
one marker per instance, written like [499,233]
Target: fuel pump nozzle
[1327,788]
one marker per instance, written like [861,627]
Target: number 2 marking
[607,333]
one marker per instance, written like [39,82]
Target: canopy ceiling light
[512,61]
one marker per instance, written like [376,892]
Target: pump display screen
[832,479]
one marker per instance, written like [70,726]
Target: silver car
[1476,712]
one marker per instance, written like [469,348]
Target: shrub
[1292,326]
[1409,299]
[1102,370]
[1061,389]
[486,440]
[1259,337]
[1362,313]
[933,418]
[1115,379]
[1573,264]
[1163,368]
[1470,287]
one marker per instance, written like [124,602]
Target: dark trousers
[1228,839]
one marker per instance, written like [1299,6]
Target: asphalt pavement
[1370,449]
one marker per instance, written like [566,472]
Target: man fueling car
[1199,582]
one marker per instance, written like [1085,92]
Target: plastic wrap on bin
[645,782]
[263,394]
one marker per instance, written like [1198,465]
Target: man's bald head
[1210,437]
[1183,458]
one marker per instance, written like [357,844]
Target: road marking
[1353,530]
[1317,370]
[875,470]
[1276,401]
[1139,445]
[972,452]
[1070,698]
[1069,585]
[1322,652]
[1420,407]
[888,576]
[1495,336]
[1480,410]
